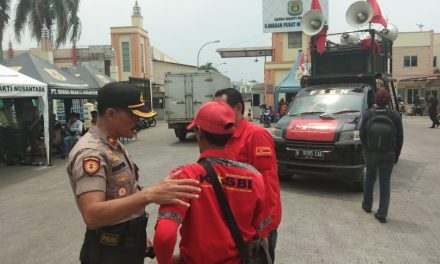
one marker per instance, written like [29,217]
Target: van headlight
[349,136]
[276,132]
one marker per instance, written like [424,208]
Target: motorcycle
[266,118]
[149,121]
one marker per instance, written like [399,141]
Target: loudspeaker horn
[359,14]
[391,32]
[312,22]
[349,37]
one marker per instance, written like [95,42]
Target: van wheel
[180,133]
[359,185]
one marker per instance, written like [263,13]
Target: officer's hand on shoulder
[170,190]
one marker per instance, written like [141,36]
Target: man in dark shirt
[382,161]
[432,110]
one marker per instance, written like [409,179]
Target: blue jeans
[384,163]
[67,144]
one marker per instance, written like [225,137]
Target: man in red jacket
[205,236]
[253,145]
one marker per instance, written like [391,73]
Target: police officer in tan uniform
[104,180]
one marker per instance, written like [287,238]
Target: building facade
[286,47]
[415,64]
[131,47]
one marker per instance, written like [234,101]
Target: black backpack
[380,131]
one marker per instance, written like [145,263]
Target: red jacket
[253,145]
[205,237]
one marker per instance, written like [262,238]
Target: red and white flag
[321,37]
[377,14]
[316,6]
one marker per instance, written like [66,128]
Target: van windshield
[327,104]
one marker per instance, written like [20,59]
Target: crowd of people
[22,134]
[243,215]
[18,132]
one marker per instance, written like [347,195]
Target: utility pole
[421,26]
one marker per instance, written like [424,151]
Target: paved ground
[322,222]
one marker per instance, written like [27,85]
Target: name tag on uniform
[119,167]
[109,239]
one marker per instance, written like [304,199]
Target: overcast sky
[181,27]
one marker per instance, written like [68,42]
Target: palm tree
[208,66]
[64,13]
[4,19]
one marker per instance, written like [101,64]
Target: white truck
[185,93]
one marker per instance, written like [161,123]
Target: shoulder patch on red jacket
[91,165]
[263,151]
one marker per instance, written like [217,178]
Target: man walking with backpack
[381,134]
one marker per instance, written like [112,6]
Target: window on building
[434,62]
[294,40]
[142,59]
[126,56]
[410,61]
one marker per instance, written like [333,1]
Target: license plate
[308,154]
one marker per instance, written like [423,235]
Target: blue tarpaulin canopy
[292,82]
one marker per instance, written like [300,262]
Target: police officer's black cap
[124,96]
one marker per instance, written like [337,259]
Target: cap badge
[91,165]
[141,99]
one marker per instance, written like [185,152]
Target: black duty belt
[121,243]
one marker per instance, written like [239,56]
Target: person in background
[9,128]
[249,115]
[30,128]
[253,145]
[74,129]
[282,107]
[380,156]
[432,110]
[94,115]
[203,225]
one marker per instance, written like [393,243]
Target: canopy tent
[90,75]
[14,85]
[292,82]
[60,84]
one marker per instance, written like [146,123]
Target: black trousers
[124,243]
[433,117]
[10,143]
[29,137]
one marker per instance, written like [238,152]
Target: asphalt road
[322,220]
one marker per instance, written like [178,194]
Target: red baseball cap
[215,117]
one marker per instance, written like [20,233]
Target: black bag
[253,253]
[381,132]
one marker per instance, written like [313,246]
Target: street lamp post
[220,64]
[198,54]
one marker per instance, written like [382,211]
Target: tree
[5,7]
[208,66]
[64,13]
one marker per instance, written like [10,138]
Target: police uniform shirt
[99,162]
[205,236]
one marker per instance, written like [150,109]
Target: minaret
[136,19]
[46,43]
